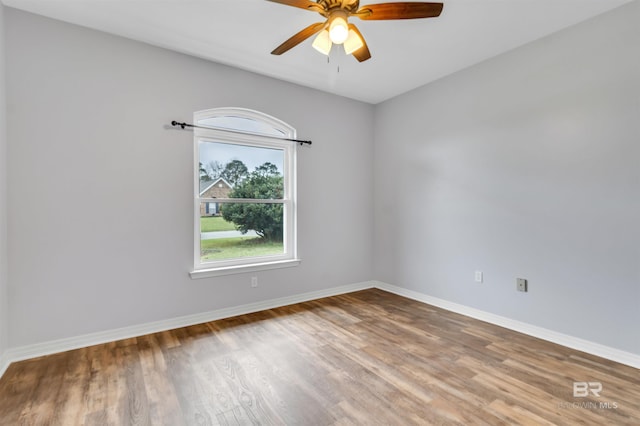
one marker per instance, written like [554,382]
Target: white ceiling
[405,53]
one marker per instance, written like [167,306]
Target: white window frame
[250,264]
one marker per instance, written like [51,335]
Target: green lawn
[215,223]
[234,248]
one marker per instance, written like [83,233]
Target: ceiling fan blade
[363,53]
[299,38]
[402,10]
[302,4]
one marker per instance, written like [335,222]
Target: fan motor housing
[350,7]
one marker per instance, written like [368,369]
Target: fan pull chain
[329,62]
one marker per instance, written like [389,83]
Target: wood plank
[367,357]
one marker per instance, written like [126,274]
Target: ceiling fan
[336,29]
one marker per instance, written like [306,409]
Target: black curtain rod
[183,125]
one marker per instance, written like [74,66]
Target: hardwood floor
[364,358]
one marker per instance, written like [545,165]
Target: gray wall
[100,205]
[526,165]
[4,307]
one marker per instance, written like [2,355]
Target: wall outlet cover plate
[521,284]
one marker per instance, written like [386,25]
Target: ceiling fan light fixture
[338,28]
[352,43]
[322,43]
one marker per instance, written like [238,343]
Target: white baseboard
[572,342]
[62,345]
[4,363]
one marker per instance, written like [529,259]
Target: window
[245,176]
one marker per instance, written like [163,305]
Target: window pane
[240,171]
[235,231]
[241,124]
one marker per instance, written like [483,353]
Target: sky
[252,157]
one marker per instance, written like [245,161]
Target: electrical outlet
[478,276]
[254,282]
[521,284]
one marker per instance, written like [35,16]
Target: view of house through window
[244,202]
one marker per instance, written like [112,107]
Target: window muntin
[245,218]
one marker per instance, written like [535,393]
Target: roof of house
[205,185]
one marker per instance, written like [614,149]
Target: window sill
[254,267]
